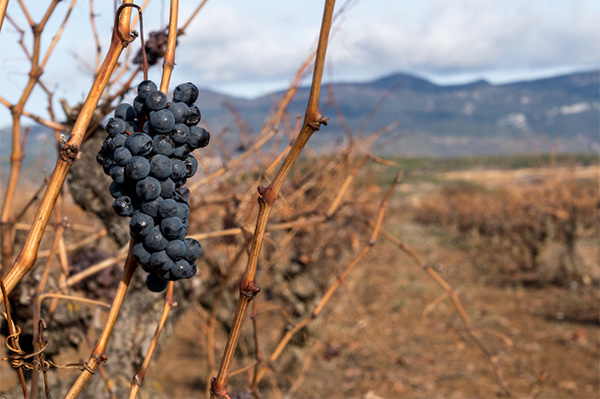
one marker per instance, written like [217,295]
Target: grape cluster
[148,156]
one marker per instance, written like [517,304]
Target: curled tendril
[118,32]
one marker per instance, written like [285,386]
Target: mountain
[560,113]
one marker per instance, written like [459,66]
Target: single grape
[180,133]
[168,208]
[160,261]
[182,269]
[145,88]
[191,165]
[172,228]
[119,140]
[137,168]
[167,188]
[139,144]
[121,155]
[193,249]
[185,92]
[194,116]
[179,170]
[115,126]
[155,283]
[162,144]
[155,241]
[110,144]
[161,166]
[180,111]
[199,137]
[148,189]
[117,173]
[123,206]
[183,211]
[125,112]
[140,224]
[162,121]
[176,249]
[140,254]
[139,105]
[156,100]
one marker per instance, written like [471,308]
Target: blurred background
[484,278]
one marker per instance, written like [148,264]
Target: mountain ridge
[559,113]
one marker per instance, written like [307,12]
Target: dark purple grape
[140,254]
[137,168]
[182,269]
[156,100]
[180,111]
[155,283]
[179,170]
[194,116]
[161,166]
[119,140]
[125,112]
[140,224]
[139,105]
[121,155]
[193,249]
[117,173]
[145,88]
[155,241]
[139,144]
[168,208]
[172,228]
[162,144]
[115,126]
[123,206]
[148,189]
[176,249]
[160,261]
[199,137]
[167,188]
[191,165]
[185,92]
[180,133]
[162,121]
[183,211]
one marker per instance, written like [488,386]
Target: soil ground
[390,331]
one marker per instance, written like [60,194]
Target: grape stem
[169,59]
[98,355]
[266,199]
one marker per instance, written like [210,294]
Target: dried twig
[13,338]
[267,197]
[332,289]
[138,378]
[457,304]
[26,258]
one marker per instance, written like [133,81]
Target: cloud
[443,37]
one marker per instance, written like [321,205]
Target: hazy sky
[249,48]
